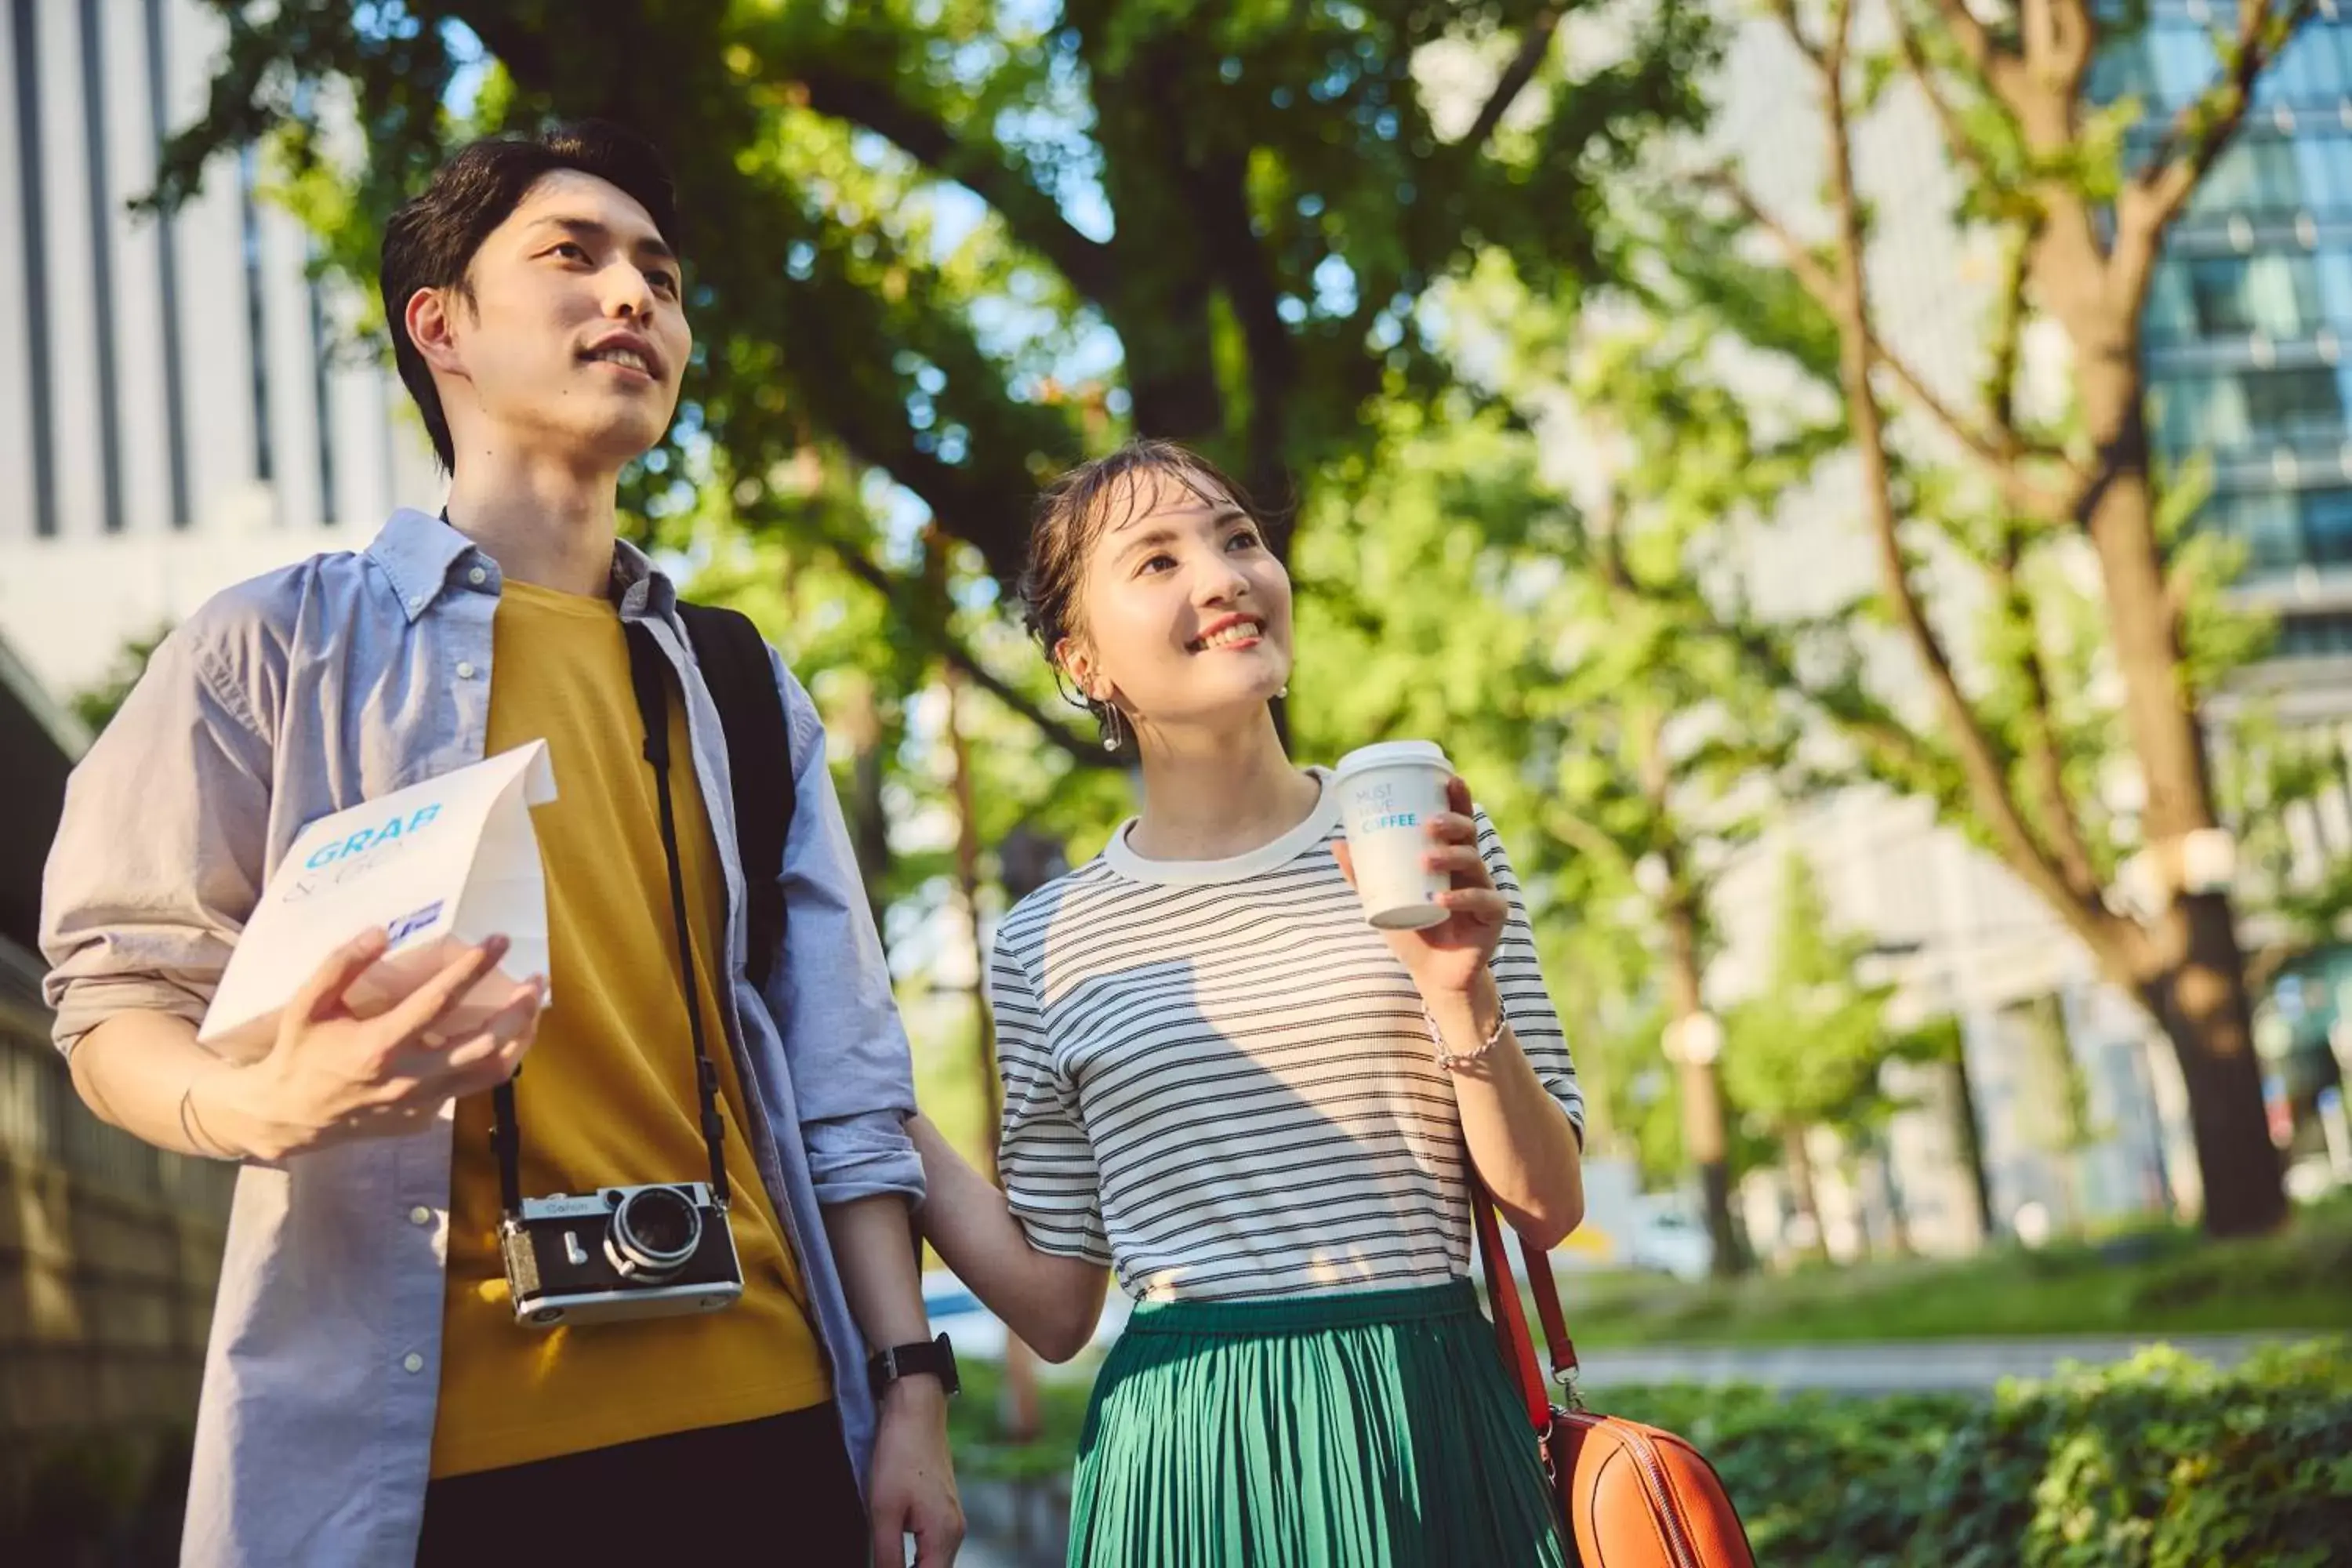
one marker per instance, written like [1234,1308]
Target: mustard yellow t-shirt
[606,1096]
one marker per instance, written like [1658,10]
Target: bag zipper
[1653,1482]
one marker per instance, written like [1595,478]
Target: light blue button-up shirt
[310,690]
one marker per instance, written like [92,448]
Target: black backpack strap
[733,658]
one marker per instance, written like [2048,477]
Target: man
[370,1395]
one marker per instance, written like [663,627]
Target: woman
[1221,1082]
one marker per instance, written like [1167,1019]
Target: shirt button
[478,576]
[465,670]
[420,1214]
[412,1362]
[415,604]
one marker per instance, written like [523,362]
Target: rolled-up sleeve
[160,852]
[853,1076]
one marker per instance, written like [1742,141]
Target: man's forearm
[144,1072]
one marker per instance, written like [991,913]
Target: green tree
[95,705]
[1639,753]
[1811,1049]
[2053,517]
[960,241]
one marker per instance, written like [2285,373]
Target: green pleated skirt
[1367,1429]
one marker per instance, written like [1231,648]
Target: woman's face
[1183,613]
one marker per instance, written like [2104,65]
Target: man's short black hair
[431,240]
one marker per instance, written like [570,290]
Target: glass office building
[2248,334]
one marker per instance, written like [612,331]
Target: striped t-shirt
[1218,1081]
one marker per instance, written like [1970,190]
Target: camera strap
[646,676]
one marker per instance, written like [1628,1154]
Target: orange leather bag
[1632,1495]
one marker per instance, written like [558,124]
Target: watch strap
[936,1357]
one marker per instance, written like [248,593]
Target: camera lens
[663,1222]
[654,1231]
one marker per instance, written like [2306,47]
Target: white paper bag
[440,866]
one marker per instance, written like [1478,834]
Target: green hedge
[93,1499]
[2160,1462]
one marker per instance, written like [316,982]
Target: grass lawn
[2161,1281]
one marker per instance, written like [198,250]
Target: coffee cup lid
[1389,753]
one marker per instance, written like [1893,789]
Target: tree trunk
[1802,1187]
[2206,1015]
[1019,1415]
[2200,996]
[1969,1135]
[1898,1221]
[869,828]
[1705,1143]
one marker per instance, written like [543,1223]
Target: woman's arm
[1052,1302]
[1525,1146]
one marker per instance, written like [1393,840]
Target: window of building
[2310,71]
[2266,523]
[257,321]
[2293,405]
[2168,317]
[2328,526]
[159,121]
[2199,413]
[2315,636]
[2184,61]
[2257,175]
[34,237]
[2122,70]
[101,264]
[2324,169]
[2231,296]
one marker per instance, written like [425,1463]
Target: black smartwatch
[937,1358]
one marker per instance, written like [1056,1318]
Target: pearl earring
[1282,690]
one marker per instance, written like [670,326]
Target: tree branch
[896,590]
[1976,41]
[1786,12]
[1980,758]
[1516,76]
[2001,451]
[2042,758]
[1964,147]
[2197,136]
[975,161]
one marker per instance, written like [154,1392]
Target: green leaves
[2161,1462]
[1809,1049]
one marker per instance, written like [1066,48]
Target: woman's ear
[1080,665]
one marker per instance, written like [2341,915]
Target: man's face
[576,339]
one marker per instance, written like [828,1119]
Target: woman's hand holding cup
[1411,854]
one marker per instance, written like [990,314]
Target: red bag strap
[1555,1321]
[1503,1302]
[1510,1315]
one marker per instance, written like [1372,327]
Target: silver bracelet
[204,1143]
[1449,1060]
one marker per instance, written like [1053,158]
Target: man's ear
[432,327]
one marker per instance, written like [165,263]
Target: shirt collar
[417,551]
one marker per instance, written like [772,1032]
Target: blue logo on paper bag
[369,838]
[406,926]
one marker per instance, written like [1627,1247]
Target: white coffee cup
[1389,793]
